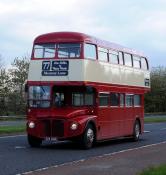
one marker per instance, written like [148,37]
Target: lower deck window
[137,100]
[103,99]
[129,100]
[114,99]
[121,100]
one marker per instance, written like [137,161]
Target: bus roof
[81,37]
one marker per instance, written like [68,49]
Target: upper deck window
[144,64]
[102,54]
[113,57]
[90,51]
[127,59]
[69,50]
[136,62]
[121,58]
[44,50]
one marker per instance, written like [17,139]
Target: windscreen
[69,50]
[39,96]
[65,50]
[44,50]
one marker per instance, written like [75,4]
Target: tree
[4,90]
[1,62]
[18,74]
[155,100]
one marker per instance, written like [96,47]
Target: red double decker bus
[84,89]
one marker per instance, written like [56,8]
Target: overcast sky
[138,24]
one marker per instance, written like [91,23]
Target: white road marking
[131,149]
[19,147]
[162,129]
[55,166]
[82,160]
[147,131]
[151,123]
[3,137]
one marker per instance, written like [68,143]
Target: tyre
[34,141]
[136,131]
[88,137]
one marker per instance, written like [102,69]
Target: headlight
[29,110]
[31,125]
[74,126]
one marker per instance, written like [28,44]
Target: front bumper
[53,128]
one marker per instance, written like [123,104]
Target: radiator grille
[47,128]
[58,128]
[53,128]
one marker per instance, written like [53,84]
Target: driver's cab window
[58,99]
[77,99]
[82,99]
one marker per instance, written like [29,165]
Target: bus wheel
[136,131]
[34,141]
[88,138]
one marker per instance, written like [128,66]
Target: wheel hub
[90,135]
[137,130]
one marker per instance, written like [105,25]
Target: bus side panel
[115,121]
[138,113]
[103,123]
[128,121]
[109,121]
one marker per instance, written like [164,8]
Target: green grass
[160,170]
[154,120]
[12,129]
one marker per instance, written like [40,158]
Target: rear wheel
[136,131]
[88,137]
[34,141]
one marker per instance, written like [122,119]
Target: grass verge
[160,170]
[154,120]
[12,129]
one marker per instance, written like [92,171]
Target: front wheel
[88,137]
[34,141]
[136,131]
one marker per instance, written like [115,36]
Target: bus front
[60,104]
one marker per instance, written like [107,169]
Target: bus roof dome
[81,37]
[63,36]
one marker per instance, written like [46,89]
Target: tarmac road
[13,123]
[17,157]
